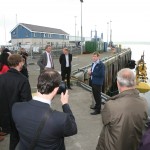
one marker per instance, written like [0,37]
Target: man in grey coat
[123,116]
[46,60]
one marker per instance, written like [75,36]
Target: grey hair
[126,77]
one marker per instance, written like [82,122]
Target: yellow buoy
[143,87]
[141,76]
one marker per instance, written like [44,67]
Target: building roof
[36,28]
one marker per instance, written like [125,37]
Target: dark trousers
[96,89]
[65,73]
[14,138]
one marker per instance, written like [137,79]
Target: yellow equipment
[141,76]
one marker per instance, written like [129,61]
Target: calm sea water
[137,51]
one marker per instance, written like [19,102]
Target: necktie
[51,61]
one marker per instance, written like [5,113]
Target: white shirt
[94,64]
[49,65]
[37,98]
[67,60]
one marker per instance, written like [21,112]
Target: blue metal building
[27,34]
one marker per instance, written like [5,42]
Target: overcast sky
[130,18]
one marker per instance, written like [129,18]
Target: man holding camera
[28,116]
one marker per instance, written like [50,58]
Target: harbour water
[137,51]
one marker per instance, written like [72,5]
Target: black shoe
[95,113]
[102,103]
[92,107]
[70,88]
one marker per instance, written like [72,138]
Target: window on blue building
[34,34]
[44,34]
[26,34]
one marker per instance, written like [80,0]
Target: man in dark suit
[65,60]
[46,60]
[97,73]
[28,115]
[14,87]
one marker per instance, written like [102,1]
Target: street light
[75,29]
[95,39]
[107,31]
[81,27]
[110,33]
[5,30]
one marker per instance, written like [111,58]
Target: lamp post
[110,33]
[17,30]
[95,39]
[107,30]
[5,30]
[81,28]
[75,29]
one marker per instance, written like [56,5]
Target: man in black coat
[28,115]
[65,60]
[14,87]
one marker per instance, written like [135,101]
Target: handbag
[39,129]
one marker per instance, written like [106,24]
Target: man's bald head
[126,78]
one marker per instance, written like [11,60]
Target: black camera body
[62,87]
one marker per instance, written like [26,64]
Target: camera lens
[62,87]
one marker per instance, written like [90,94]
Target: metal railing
[88,88]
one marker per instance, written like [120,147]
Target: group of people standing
[25,117]
[33,124]
[4,66]
[65,59]
[14,87]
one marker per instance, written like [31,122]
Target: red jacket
[5,68]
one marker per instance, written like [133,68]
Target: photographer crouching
[38,125]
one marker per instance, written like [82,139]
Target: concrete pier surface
[89,126]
